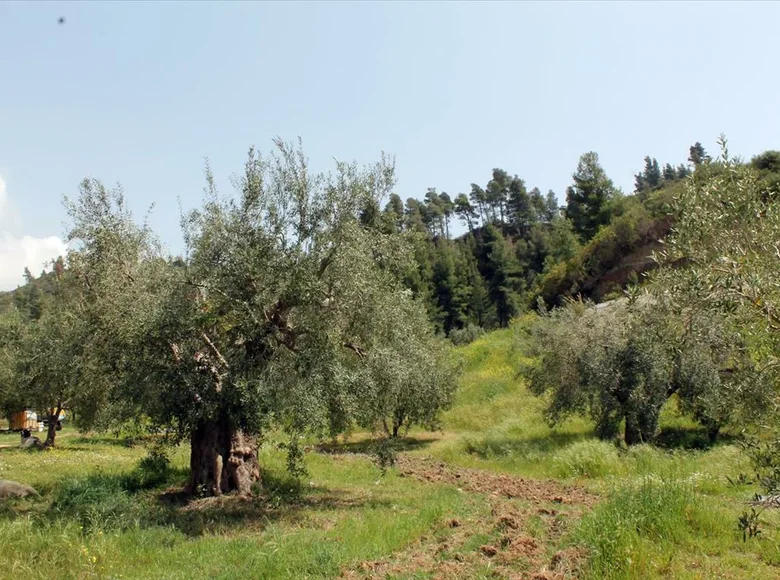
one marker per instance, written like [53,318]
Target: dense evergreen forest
[521,248]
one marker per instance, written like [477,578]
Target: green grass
[497,424]
[665,511]
[668,511]
[100,518]
[664,528]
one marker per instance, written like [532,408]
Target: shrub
[466,335]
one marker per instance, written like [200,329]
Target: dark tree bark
[633,434]
[51,433]
[223,459]
[713,430]
[398,422]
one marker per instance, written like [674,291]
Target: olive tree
[621,362]
[285,312]
[721,259]
[12,332]
[602,363]
[408,378]
[55,362]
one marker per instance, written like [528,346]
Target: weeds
[748,524]
[740,480]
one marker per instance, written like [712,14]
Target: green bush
[466,335]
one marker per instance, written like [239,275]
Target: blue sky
[141,93]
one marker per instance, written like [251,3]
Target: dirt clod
[508,522]
[514,554]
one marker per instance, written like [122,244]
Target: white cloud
[20,251]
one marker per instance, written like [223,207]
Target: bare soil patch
[527,520]
[497,484]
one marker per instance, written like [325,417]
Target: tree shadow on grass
[139,499]
[370,446]
[125,442]
[494,447]
[226,514]
[691,438]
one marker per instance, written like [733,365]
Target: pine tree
[639,183]
[447,208]
[520,210]
[652,173]
[465,211]
[588,198]
[479,200]
[414,216]
[497,192]
[395,211]
[538,204]
[370,215]
[480,311]
[697,154]
[434,214]
[448,291]
[502,272]
[650,178]
[669,173]
[551,206]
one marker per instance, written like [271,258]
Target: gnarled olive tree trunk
[223,459]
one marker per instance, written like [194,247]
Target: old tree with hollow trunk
[285,312]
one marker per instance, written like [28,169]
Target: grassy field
[495,494]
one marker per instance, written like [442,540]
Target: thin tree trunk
[223,459]
[398,421]
[51,433]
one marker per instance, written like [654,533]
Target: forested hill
[27,297]
[520,246]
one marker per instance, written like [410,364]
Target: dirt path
[517,540]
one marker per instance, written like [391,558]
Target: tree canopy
[288,310]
